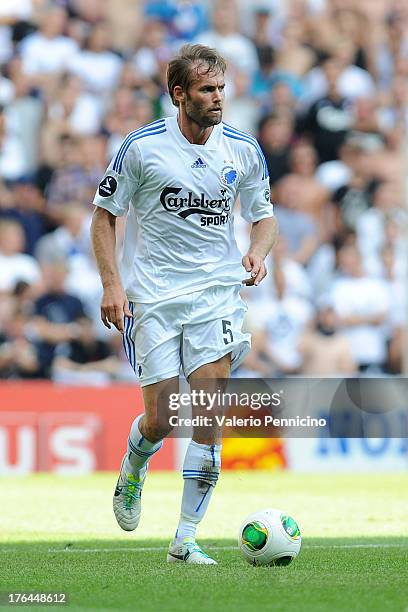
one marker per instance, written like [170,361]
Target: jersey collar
[211,144]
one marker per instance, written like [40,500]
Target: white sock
[201,468]
[140,450]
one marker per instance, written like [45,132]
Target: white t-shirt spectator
[398,299]
[42,55]
[237,49]
[145,62]
[86,116]
[18,154]
[364,297]
[7,90]
[243,114]
[15,9]
[353,83]
[283,321]
[333,174]
[371,239]
[99,72]
[18,267]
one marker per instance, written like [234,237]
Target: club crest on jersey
[228,175]
[107,186]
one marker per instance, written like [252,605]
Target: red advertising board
[69,430]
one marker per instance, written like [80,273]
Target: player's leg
[201,467]
[145,439]
[213,344]
[153,350]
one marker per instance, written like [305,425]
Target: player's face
[205,99]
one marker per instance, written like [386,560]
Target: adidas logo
[199,163]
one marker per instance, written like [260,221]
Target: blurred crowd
[323,85]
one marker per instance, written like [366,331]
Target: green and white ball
[269,537]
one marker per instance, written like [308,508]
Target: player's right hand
[256,265]
[114,306]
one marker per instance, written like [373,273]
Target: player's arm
[114,302]
[112,200]
[257,209]
[263,237]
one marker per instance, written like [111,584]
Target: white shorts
[185,332]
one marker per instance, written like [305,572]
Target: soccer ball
[269,537]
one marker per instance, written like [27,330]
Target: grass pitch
[59,534]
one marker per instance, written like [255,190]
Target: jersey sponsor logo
[107,187]
[228,175]
[199,163]
[213,211]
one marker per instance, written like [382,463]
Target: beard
[202,117]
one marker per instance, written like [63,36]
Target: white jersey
[179,199]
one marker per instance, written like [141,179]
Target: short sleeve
[120,180]
[254,189]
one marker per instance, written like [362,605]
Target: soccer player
[177,300]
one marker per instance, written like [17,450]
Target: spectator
[96,65]
[71,180]
[398,306]
[315,197]
[85,360]
[154,49]
[361,304]
[239,50]
[70,242]
[371,225]
[330,117]
[47,52]
[293,57]
[57,315]
[277,325]
[15,265]
[18,356]
[72,111]
[393,114]
[299,229]
[189,19]
[128,112]
[23,116]
[354,198]
[71,238]
[261,37]
[352,82]
[242,111]
[26,206]
[11,13]
[392,46]
[325,351]
[275,134]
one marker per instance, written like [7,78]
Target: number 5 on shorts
[227,332]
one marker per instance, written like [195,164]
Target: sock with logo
[201,469]
[140,450]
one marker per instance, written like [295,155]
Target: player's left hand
[256,265]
